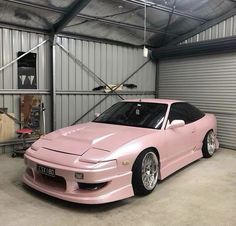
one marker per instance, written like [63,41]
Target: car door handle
[193,131]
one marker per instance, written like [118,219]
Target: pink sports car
[123,152]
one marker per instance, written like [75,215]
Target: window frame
[136,102]
[187,104]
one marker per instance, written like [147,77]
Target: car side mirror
[96,114]
[176,124]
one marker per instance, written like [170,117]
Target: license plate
[46,170]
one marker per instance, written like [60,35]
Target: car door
[181,140]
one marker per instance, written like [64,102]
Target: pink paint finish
[99,151]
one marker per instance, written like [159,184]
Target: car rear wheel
[145,173]
[209,144]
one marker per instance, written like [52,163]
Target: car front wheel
[209,144]
[145,173]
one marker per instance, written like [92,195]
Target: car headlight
[94,155]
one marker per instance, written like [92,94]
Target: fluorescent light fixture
[145,51]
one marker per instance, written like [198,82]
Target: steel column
[53,82]
[157,80]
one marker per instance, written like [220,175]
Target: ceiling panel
[17,12]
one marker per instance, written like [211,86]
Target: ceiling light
[145,51]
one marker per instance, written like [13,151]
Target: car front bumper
[65,186]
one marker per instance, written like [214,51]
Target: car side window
[193,112]
[184,111]
[178,112]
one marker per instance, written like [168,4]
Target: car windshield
[138,114]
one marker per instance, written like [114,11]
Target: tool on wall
[107,90]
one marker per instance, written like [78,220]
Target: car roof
[161,101]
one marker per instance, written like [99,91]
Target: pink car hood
[80,138]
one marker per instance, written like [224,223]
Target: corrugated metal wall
[208,82]
[74,95]
[111,63]
[12,41]
[226,28]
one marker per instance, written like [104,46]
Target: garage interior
[79,47]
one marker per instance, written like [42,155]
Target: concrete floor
[204,193]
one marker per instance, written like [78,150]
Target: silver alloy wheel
[211,144]
[150,170]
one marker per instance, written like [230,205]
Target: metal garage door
[208,82]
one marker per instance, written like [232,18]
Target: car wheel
[145,173]
[209,145]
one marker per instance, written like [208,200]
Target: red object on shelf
[24,131]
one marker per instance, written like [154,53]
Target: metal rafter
[91,18]
[23,28]
[203,27]
[122,24]
[140,3]
[72,11]
[221,45]
[169,21]
[165,9]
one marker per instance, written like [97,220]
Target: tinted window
[184,111]
[139,114]
[193,112]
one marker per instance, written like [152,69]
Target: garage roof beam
[165,9]
[87,17]
[73,10]
[203,27]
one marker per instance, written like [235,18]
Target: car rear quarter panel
[207,123]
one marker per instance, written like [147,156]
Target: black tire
[137,178]
[206,150]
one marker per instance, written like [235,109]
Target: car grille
[57,183]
